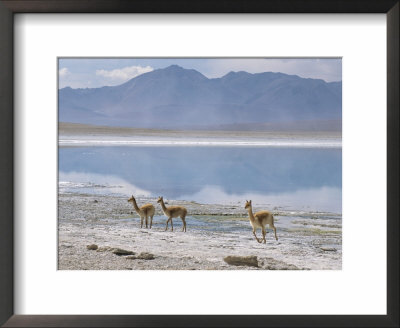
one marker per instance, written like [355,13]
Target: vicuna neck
[135,205]
[251,216]
[163,205]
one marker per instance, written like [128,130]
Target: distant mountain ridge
[179,98]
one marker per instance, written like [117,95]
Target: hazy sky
[93,73]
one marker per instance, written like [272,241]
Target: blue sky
[98,72]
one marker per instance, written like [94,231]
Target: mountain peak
[233,74]
[179,72]
[174,67]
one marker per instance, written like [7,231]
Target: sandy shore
[78,135]
[306,240]
[75,129]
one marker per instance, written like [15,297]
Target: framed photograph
[199,164]
[202,146]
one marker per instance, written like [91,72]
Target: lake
[300,179]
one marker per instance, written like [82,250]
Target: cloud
[123,74]
[63,72]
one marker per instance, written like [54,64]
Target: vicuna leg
[141,222]
[276,237]
[254,233]
[151,221]
[166,227]
[184,224]
[264,233]
[146,221]
[172,225]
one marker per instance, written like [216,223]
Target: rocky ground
[103,233]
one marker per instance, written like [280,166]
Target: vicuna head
[160,199]
[248,204]
[132,199]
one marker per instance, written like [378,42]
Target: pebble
[329,249]
[122,252]
[242,260]
[104,249]
[141,256]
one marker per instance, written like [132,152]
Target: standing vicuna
[260,220]
[173,212]
[147,210]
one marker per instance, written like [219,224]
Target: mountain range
[178,98]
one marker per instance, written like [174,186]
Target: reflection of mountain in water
[177,171]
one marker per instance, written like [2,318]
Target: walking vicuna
[145,211]
[173,212]
[260,220]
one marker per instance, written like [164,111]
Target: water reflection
[300,177]
[326,199]
[97,183]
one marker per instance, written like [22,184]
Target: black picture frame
[10,7]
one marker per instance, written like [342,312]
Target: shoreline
[214,232]
[116,141]
[79,135]
[73,129]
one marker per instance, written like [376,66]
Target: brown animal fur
[145,211]
[173,212]
[260,220]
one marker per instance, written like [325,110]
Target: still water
[292,178]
